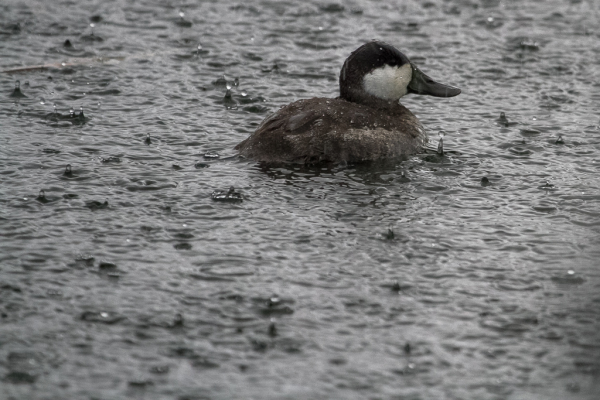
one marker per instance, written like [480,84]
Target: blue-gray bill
[423,84]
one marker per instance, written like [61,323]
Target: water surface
[412,279]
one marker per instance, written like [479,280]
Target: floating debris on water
[227,196]
[201,165]
[485,181]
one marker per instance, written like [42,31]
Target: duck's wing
[289,135]
[331,130]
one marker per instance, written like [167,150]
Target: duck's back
[334,130]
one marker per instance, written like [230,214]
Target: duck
[366,122]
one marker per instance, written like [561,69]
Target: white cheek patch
[387,82]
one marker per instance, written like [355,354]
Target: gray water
[412,279]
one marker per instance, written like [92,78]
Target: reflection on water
[141,258]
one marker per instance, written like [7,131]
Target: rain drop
[272,329]
[440,148]
[68,171]
[228,100]
[17,91]
[503,120]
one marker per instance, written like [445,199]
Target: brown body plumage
[334,130]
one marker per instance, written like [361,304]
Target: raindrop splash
[227,196]
[503,120]
[42,197]
[68,171]
[17,91]
[440,148]
[228,100]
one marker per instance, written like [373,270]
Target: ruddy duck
[366,122]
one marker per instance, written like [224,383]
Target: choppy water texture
[136,273]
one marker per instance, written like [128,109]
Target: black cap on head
[363,60]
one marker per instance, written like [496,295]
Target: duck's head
[378,73]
